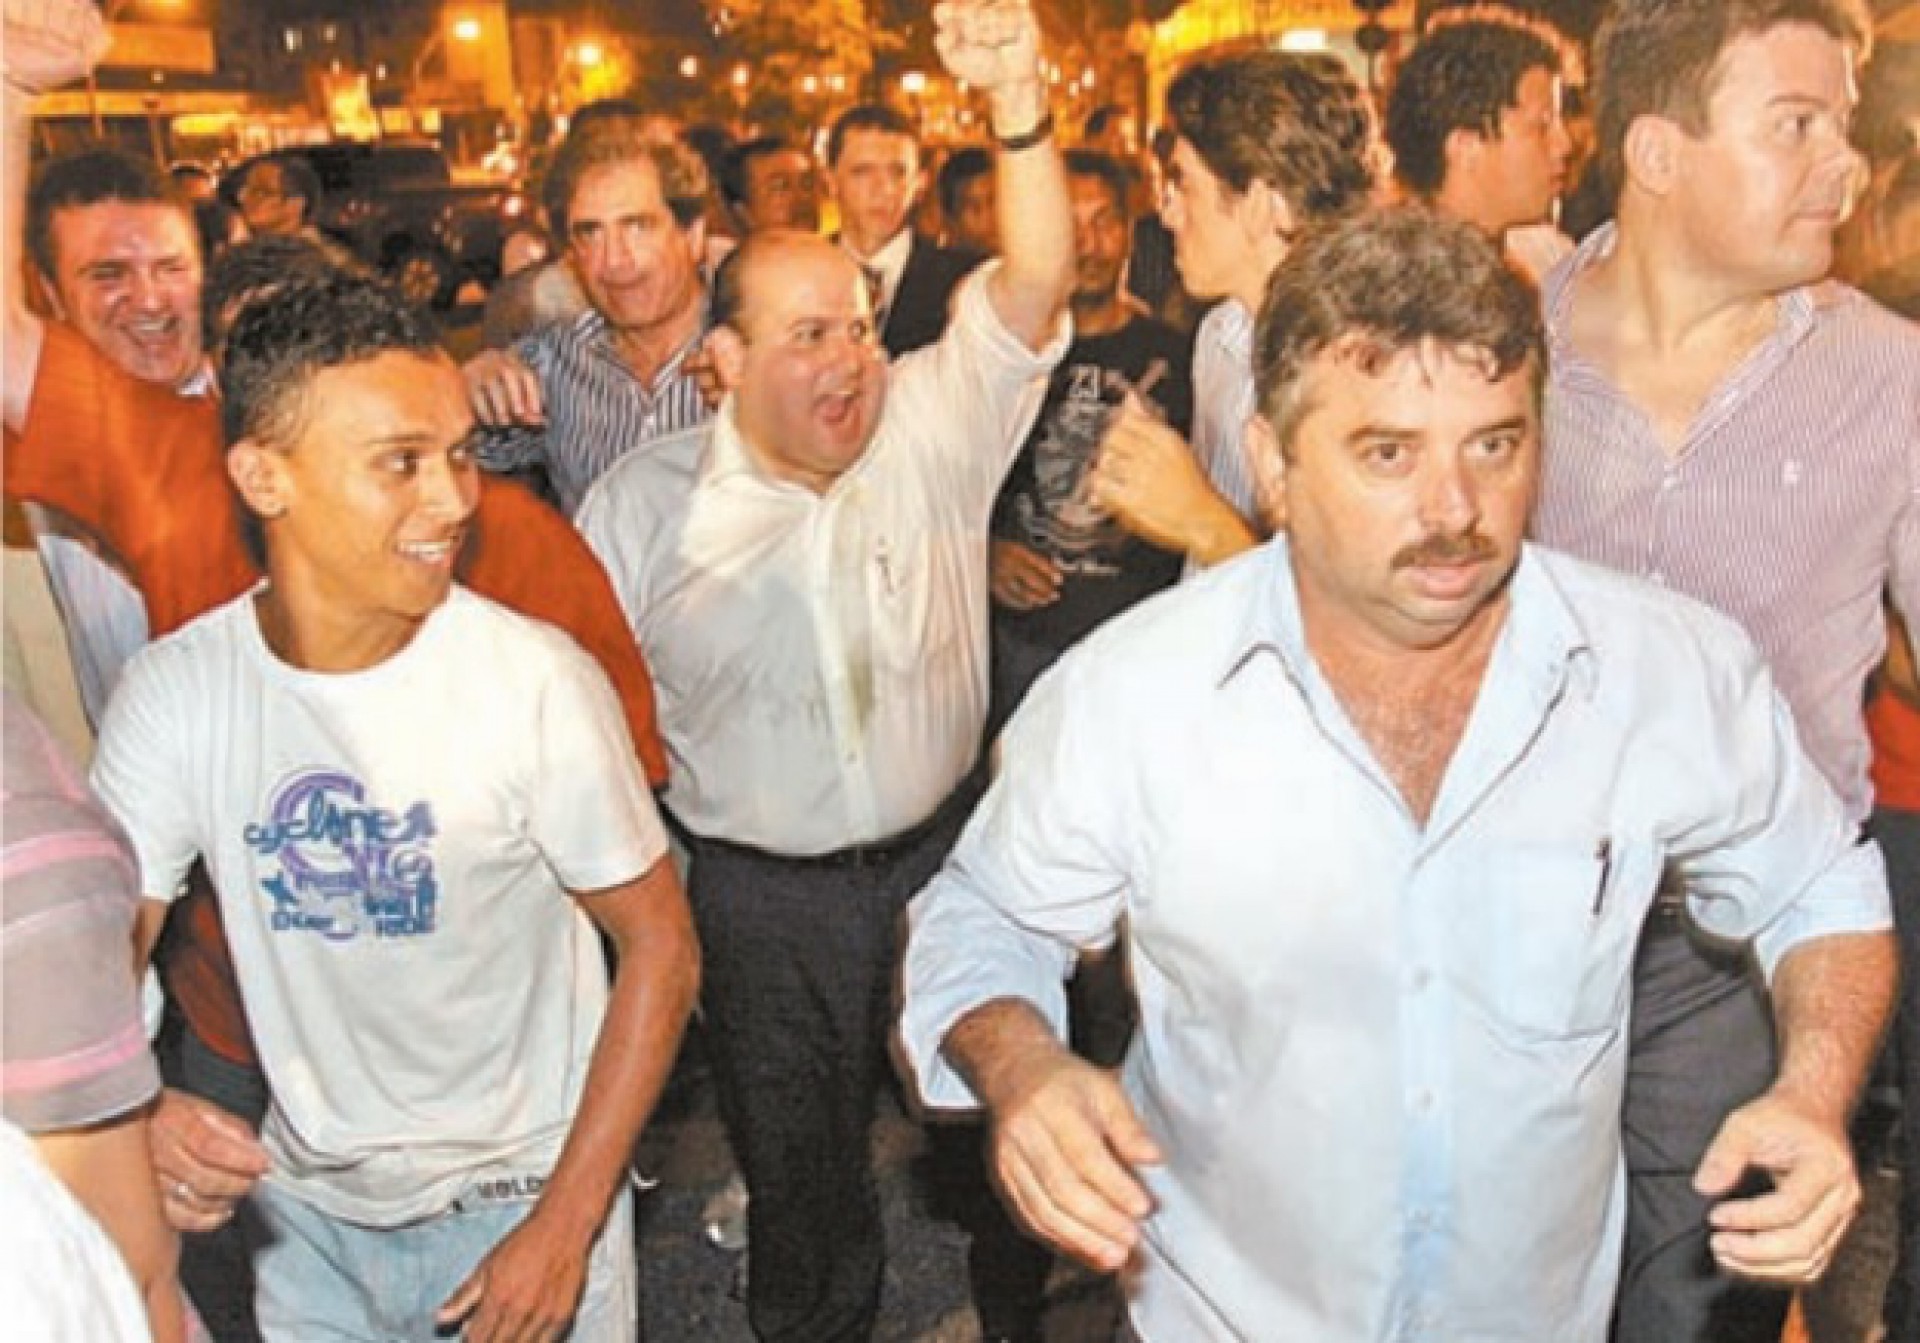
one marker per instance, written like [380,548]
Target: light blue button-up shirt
[1384,1060]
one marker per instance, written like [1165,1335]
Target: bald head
[781,253]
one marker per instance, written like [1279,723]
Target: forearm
[655,983]
[23,328]
[1035,216]
[1831,998]
[109,1171]
[996,1044]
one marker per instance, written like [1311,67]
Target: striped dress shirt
[1223,401]
[1793,505]
[598,409]
[75,1051]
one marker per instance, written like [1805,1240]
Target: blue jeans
[323,1280]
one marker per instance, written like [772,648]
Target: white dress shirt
[821,659]
[889,264]
[1384,1060]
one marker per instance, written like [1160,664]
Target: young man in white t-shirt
[396,786]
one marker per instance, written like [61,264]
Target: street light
[589,55]
[465,29]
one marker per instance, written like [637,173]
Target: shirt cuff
[1849,897]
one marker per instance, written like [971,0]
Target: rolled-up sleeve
[1037,877]
[1781,864]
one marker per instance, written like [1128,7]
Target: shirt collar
[1543,628]
[1795,310]
[890,260]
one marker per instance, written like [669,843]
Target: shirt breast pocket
[913,602]
[1560,937]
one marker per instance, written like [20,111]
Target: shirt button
[1669,481]
[1658,576]
[1423,1101]
[1422,977]
[1420,1219]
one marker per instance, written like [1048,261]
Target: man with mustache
[1725,422]
[809,580]
[1383,806]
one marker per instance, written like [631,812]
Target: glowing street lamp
[588,55]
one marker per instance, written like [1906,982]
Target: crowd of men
[1368,797]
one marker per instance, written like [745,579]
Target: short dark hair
[683,174]
[314,323]
[252,271]
[92,177]
[1390,279]
[277,348]
[1106,168]
[868,117]
[1662,58]
[297,179]
[966,164]
[1298,122]
[1460,77]
[733,168]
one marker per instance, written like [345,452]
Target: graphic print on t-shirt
[338,865]
[1057,517]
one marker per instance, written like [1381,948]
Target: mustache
[1446,548]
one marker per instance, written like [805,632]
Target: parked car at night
[396,206]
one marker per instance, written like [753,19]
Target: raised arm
[994,45]
[48,43]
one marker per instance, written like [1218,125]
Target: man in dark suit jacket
[873,161]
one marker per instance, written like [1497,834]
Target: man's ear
[727,352]
[1268,464]
[1460,152]
[1264,212]
[1650,154]
[258,474]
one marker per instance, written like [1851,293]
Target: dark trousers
[1702,1045]
[799,961]
[1898,833]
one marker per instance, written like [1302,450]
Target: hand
[1789,1234]
[504,391]
[525,1291]
[51,42]
[1023,579]
[204,1159]
[1065,1142]
[1148,478]
[991,44]
[704,369]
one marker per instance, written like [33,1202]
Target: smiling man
[1382,807]
[810,573]
[1725,422]
[115,252]
[411,861]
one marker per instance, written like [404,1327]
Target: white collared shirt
[821,659]
[1384,1059]
[890,263]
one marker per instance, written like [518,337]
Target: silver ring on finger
[182,1191]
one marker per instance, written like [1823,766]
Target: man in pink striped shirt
[1722,421]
